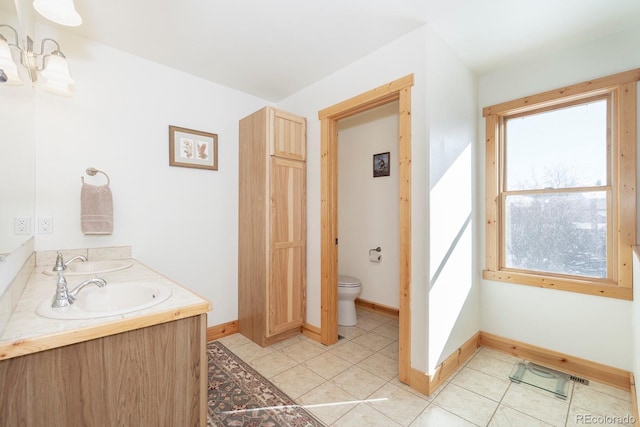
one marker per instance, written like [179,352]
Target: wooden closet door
[287,281]
[288,136]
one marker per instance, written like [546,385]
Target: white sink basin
[77,268]
[113,299]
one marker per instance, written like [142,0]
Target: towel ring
[91,171]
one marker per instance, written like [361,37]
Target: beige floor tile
[435,416]
[342,384]
[401,406]
[272,364]
[600,403]
[481,383]
[466,404]
[388,330]
[297,381]
[489,364]
[302,351]
[372,341]
[396,381]
[381,366]
[251,351]
[606,389]
[351,352]
[541,405]
[350,332]
[314,342]
[327,365]
[358,382]
[368,323]
[233,341]
[328,402]
[365,415]
[391,351]
[507,417]
[286,343]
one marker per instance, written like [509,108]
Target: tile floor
[355,382]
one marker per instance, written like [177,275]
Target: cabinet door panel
[286,293]
[289,136]
[287,278]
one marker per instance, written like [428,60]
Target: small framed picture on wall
[192,148]
[381,164]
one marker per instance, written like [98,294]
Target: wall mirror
[17,155]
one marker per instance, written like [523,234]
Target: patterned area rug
[240,396]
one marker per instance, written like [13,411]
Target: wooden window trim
[623,87]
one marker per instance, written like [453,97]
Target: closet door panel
[288,136]
[286,294]
[286,297]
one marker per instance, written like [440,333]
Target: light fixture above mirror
[51,63]
[61,12]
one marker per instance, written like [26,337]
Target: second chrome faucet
[64,297]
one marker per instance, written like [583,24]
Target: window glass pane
[561,148]
[562,233]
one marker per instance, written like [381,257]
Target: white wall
[591,327]
[453,297]
[404,56]
[180,221]
[368,207]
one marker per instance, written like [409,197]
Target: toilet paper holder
[375,255]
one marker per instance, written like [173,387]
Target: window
[561,178]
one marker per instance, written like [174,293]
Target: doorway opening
[397,90]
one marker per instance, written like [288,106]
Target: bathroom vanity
[143,368]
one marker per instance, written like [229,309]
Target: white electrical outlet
[45,225]
[22,225]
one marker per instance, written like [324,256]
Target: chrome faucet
[64,297]
[80,257]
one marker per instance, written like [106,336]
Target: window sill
[596,287]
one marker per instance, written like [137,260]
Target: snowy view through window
[556,190]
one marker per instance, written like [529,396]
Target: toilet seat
[345,281]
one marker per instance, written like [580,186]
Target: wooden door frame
[397,90]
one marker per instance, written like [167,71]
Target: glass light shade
[57,88]
[61,12]
[7,65]
[57,75]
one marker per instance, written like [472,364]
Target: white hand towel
[96,209]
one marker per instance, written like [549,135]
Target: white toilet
[349,288]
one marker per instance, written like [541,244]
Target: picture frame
[381,164]
[190,148]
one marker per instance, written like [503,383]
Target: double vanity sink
[125,341]
[113,299]
[135,296]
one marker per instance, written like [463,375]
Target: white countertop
[27,332]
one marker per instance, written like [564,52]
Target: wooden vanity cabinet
[272,226]
[153,376]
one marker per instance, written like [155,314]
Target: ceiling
[272,49]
